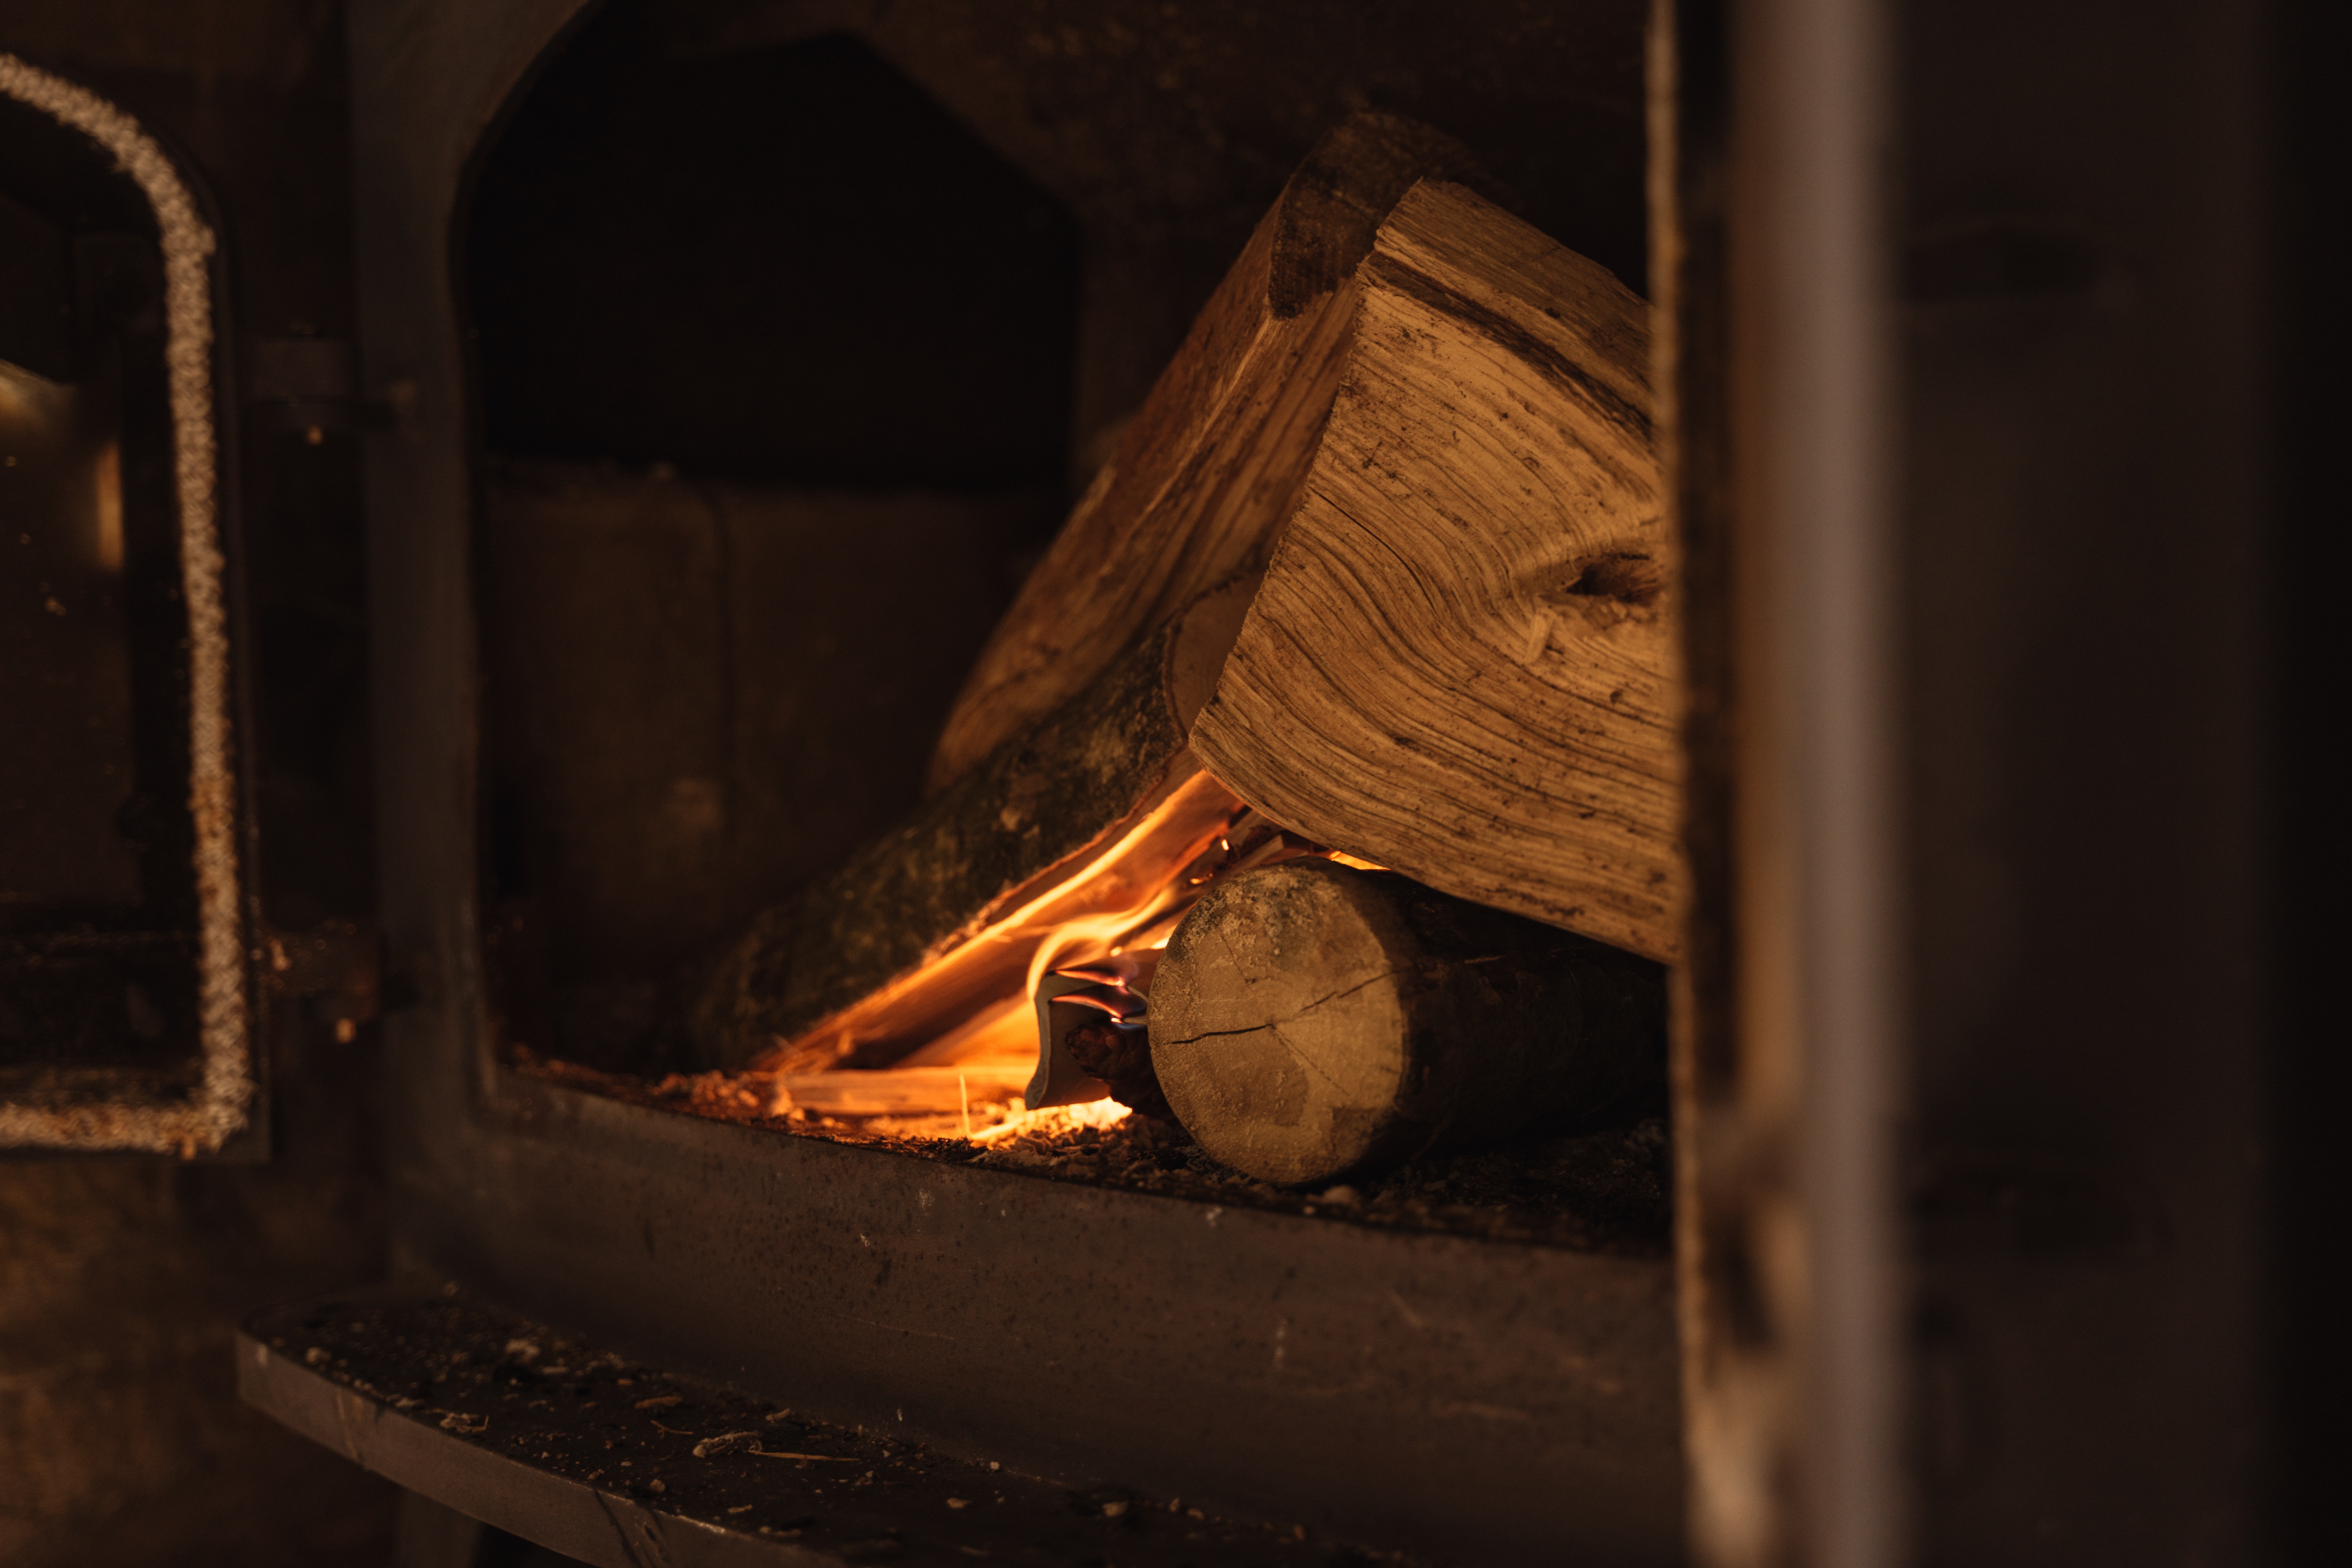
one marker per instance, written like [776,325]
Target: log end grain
[1209,467]
[1308,1020]
[1462,660]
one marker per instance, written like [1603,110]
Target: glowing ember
[1098,933]
[974,1014]
[1078,914]
[1096,1113]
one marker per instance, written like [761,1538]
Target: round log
[1308,1020]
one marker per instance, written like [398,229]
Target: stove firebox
[746,361]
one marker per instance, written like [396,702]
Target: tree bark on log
[1210,467]
[1308,1020]
[1091,811]
[1462,662]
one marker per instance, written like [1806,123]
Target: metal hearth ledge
[547,1437]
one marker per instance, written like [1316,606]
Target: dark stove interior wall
[785,263]
[97,904]
[1167,129]
[702,692]
[774,370]
[2124,516]
[793,329]
[122,1440]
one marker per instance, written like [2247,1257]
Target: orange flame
[968,1005]
[1070,912]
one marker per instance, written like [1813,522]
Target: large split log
[1308,1020]
[1461,662]
[1211,465]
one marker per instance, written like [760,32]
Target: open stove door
[133,968]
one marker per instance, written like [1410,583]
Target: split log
[1461,661]
[1308,1020]
[1210,467]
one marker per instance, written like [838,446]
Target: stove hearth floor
[550,1437]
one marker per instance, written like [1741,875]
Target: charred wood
[1088,810]
[1121,1058]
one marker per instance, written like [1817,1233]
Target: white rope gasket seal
[221,1106]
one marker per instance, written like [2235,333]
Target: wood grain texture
[1210,466]
[1310,1020]
[1462,660]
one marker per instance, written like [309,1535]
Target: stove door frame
[223,1113]
[1409,1390]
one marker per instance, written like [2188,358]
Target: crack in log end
[1628,577]
[1310,1020]
[1290,1017]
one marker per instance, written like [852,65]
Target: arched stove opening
[772,367]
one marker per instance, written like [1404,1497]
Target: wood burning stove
[698,475]
[651,643]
